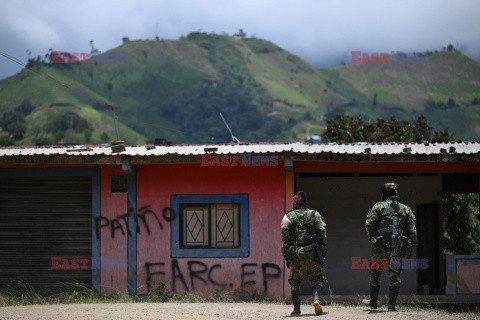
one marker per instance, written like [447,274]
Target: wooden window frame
[180,202]
[205,226]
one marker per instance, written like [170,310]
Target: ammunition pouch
[380,244]
[292,252]
[404,247]
[306,252]
[303,240]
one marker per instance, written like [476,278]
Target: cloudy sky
[322,32]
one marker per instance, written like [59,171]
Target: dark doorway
[429,247]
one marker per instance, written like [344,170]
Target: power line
[18,61]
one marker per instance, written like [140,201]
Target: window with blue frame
[210,226]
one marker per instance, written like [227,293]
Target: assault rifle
[318,245]
[395,226]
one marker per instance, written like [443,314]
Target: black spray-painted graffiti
[199,271]
[102,222]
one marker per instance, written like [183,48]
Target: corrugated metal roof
[256,148]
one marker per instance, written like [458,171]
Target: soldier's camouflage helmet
[390,189]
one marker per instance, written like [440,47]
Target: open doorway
[430,239]
[343,200]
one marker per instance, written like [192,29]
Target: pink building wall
[263,270]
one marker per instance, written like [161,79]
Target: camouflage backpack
[299,218]
[381,243]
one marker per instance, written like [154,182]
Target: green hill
[176,89]
[446,90]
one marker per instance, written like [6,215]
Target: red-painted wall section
[266,189]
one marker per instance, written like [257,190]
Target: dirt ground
[170,311]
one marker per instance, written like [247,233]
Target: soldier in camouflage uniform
[379,227]
[297,250]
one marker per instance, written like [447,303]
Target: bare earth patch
[168,311]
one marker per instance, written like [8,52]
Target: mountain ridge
[176,88]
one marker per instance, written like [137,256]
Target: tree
[58,136]
[42,140]
[421,130]
[8,118]
[392,130]
[5,140]
[240,34]
[451,103]
[348,129]
[307,116]
[34,62]
[109,88]
[67,121]
[93,50]
[443,136]
[462,219]
[87,133]
[104,137]
[17,129]
[48,56]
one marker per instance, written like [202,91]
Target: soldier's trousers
[376,273]
[315,273]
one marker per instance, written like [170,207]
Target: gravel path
[170,311]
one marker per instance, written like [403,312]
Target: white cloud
[322,32]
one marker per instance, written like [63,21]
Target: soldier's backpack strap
[293,212]
[309,215]
[387,207]
[294,219]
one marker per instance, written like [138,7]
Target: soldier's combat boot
[296,303]
[372,302]
[316,299]
[392,298]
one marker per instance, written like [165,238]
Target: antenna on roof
[114,119]
[234,139]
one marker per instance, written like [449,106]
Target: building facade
[205,218]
